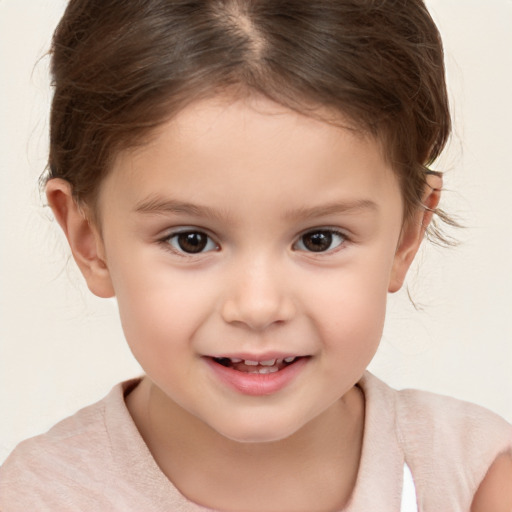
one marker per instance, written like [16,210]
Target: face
[251,250]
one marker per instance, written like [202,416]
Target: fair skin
[247,232]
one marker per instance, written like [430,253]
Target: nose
[258,296]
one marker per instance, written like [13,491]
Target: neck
[313,469]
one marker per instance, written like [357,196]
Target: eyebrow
[347,207]
[157,205]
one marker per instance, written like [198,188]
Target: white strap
[409,503]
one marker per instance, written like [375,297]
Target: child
[250,179]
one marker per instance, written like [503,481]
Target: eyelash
[327,235]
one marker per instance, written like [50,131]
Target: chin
[258,432]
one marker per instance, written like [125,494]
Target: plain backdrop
[61,348]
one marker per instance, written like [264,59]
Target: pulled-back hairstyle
[123,67]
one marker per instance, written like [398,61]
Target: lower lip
[258,384]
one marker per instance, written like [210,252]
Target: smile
[257,378]
[250,366]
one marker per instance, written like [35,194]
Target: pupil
[318,242]
[192,242]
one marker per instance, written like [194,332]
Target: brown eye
[192,242]
[320,241]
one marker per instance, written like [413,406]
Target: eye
[320,240]
[191,242]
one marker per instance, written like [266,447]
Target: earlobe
[83,237]
[413,232]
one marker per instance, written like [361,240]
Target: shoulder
[456,448]
[426,415]
[451,423]
[53,465]
[453,447]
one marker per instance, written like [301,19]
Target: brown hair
[122,67]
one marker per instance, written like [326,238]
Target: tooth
[251,363]
[270,362]
[235,360]
[289,359]
[269,369]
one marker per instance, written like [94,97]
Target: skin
[257,179]
[495,492]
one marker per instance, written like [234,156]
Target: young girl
[250,179]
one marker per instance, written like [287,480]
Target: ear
[83,237]
[413,232]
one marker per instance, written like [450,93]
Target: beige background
[61,348]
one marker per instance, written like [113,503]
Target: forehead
[253,147]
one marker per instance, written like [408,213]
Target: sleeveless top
[97,460]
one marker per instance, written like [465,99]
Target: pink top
[97,460]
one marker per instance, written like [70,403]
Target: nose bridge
[258,295]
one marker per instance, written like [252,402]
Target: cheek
[356,321]
[159,331]
[159,310]
[154,314]
[353,308]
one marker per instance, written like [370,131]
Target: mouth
[259,367]
[258,375]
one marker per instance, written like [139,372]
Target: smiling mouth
[261,367]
